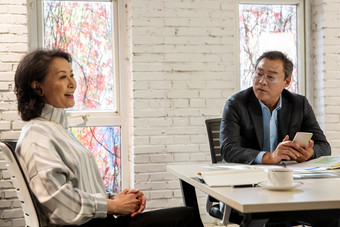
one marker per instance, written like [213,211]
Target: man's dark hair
[34,67]
[277,55]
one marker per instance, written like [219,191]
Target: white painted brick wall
[330,70]
[183,69]
[182,55]
[13,45]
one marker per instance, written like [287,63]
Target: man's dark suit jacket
[241,132]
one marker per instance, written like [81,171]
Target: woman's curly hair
[34,67]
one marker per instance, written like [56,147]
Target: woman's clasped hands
[127,202]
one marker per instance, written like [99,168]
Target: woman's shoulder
[37,125]
[39,133]
[38,129]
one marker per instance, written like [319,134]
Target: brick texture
[11,213]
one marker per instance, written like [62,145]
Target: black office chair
[214,207]
[213,130]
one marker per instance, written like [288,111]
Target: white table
[315,199]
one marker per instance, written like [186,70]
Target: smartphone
[302,138]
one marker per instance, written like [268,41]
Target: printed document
[230,177]
[318,164]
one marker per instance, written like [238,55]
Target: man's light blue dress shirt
[269,129]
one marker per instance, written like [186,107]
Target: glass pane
[263,28]
[104,142]
[84,29]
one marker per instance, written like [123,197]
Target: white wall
[183,68]
[13,45]
[331,71]
[317,61]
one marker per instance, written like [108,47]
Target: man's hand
[285,150]
[127,202]
[305,153]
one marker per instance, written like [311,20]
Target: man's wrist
[259,157]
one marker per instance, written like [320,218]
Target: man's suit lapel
[255,112]
[283,118]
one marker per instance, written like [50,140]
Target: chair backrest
[213,129]
[16,203]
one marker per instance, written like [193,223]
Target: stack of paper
[233,177]
[318,164]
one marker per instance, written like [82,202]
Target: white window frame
[99,118]
[301,59]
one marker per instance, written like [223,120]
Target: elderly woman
[62,173]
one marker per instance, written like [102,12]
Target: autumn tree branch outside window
[264,27]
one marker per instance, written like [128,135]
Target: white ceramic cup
[280,177]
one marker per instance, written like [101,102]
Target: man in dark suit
[259,123]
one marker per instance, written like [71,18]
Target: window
[88,31]
[266,26]
[104,142]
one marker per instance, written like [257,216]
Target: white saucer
[269,186]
